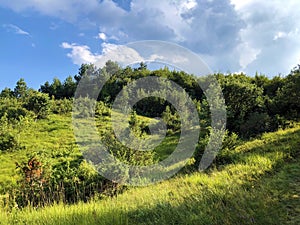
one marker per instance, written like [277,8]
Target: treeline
[254,104]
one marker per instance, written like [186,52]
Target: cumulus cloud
[210,28]
[271,37]
[15,29]
[238,4]
[82,54]
[282,35]
[190,22]
[102,36]
[69,10]
[231,35]
[247,54]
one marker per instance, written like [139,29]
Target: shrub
[8,142]
[226,155]
[102,109]
[61,106]
[84,107]
[38,103]
[12,108]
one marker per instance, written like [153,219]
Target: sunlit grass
[260,187]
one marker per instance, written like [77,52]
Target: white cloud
[174,59]
[291,34]
[247,54]
[271,39]
[119,53]
[15,29]
[124,55]
[193,23]
[280,35]
[190,4]
[251,35]
[240,4]
[198,25]
[69,10]
[102,36]
[80,53]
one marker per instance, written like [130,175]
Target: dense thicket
[254,104]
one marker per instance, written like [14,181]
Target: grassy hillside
[260,186]
[39,137]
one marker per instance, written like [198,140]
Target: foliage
[84,107]
[12,109]
[172,119]
[38,103]
[225,194]
[8,139]
[254,104]
[61,106]
[242,99]
[102,109]
[21,89]
[6,93]
[58,89]
[8,142]
[246,191]
[287,99]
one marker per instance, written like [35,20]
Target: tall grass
[261,186]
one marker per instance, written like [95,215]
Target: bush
[12,108]
[84,107]
[62,176]
[61,106]
[226,155]
[102,109]
[38,103]
[8,142]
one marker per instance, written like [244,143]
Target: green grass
[261,186]
[39,137]
[52,135]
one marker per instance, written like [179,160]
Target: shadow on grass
[260,187]
[274,199]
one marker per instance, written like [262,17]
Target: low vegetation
[44,178]
[260,186]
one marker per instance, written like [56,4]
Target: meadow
[45,176]
[260,185]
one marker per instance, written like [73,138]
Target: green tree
[46,88]
[57,88]
[242,98]
[7,93]
[21,89]
[111,67]
[84,71]
[287,101]
[69,88]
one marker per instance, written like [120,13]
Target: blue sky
[43,39]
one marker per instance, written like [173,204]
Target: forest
[45,179]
